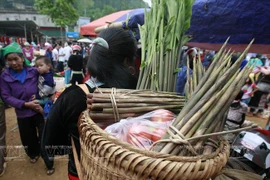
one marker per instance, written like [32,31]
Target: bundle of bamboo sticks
[209,100]
[162,37]
[110,105]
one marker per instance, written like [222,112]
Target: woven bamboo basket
[103,157]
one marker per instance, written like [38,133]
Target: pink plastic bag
[143,130]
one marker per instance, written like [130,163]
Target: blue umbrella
[133,22]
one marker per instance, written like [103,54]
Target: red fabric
[70,177]
[86,77]
[253,85]
[138,64]
[89,29]
[258,48]
[263,131]
[191,52]
[202,57]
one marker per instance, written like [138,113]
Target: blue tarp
[136,18]
[213,21]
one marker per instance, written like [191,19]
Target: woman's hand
[89,100]
[32,105]
[265,70]
[33,97]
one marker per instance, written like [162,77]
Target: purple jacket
[16,94]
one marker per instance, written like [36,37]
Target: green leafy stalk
[165,25]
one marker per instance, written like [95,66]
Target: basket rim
[85,126]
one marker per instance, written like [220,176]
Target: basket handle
[77,163]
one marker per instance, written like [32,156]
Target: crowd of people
[111,63]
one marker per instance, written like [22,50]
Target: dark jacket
[75,62]
[61,125]
[62,122]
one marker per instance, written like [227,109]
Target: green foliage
[66,12]
[83,6]
[101,8]
[61,12]
[97,12]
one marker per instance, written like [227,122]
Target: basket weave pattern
[103,157]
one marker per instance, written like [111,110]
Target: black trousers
[31,129]
[255,100]
[60,66]
[76,78]
[2,137]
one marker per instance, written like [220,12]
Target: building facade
[45,28]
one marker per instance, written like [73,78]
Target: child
[46,83]
[248,89]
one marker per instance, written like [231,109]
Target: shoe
[34,160]
[249,114]
[50,171]
[4,168]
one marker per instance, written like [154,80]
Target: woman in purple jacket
[18,84]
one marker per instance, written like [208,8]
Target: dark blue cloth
[136,18]
[182,79]
[243,64]
[207,60]
[49,55]
[213,21]
[48,78]
[19,75]
[47,108]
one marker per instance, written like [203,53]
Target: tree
[105,7]
[83,6]
[61,12]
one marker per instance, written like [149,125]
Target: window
[34,18]
[26,19]
[7,19]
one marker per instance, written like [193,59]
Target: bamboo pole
[139,109]
[225,101]
[191,122]
[153,100]
[208,84]
[221,105]
[204,92]
[126,105]
[107,116]
[211,67]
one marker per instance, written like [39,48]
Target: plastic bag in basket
[143,130]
